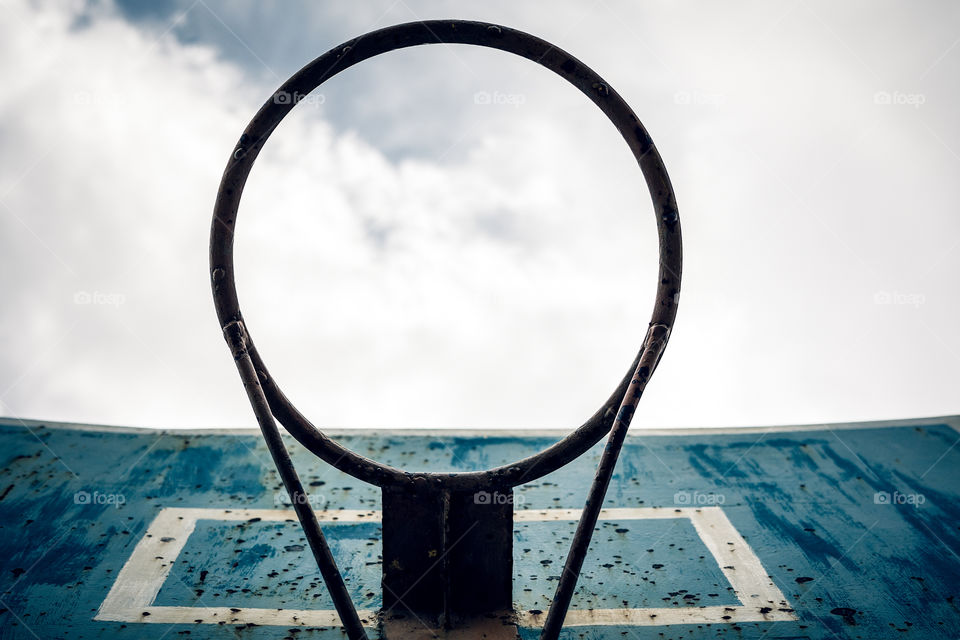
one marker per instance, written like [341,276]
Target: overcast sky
[413,254]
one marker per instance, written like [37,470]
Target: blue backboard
[828,531]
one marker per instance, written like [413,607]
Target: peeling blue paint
[835,516]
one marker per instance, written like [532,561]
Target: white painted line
[148,567]
[262,617]
[643,513]
[139,581]
[656,617]
[760,598]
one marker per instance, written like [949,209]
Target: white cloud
[428,293]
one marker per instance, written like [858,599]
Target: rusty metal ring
[398,37]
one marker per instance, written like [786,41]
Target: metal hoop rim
[383,41]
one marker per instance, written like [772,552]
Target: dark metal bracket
[460,550]
[443,543]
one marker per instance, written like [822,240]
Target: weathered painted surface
[855,525]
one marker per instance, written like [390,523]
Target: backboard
[827,531]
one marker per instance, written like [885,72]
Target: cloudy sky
[448,236]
